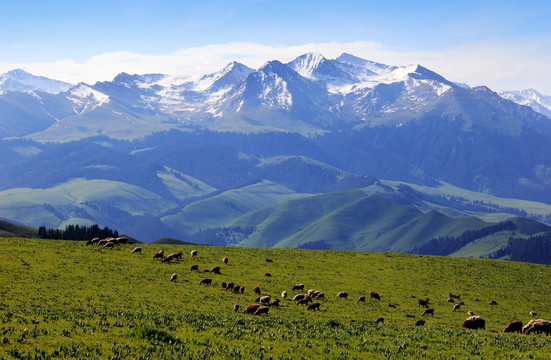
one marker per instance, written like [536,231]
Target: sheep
[167,260]
[89,242]
[539,327]
[229,286]
[298,287]
[269,260]
[313,306]
[256,290]
[529,325]
[193,253]
[242,289]
[172,256]
[159,255]
[456,307]
[513,326]
[361,298]
[194,268]
[102,242]
[380,319]
[303,302]
[215,270]
[391,305]
[310,292]
[236,289]
[493,302]
[315,294]
[262,310]
[283,294]
[320,296]
[470,313]
[533,313]
[122,240]
[274,303]
[136,250]
[251,309]
[267,274]
[474,322]
[476,299]
[109,245]
[455,296]
[420,323]
[342,294]
[298,297]
[224,285]
[225,260]
[265,299]
[173,277]
[450,300]
[235,307]
[374,295]
[205,281]
[428,312]
[424,303]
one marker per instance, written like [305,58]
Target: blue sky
[502,44]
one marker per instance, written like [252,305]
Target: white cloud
[513,64]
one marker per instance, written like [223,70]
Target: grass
[62,299]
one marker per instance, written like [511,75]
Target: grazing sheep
[173,277]
[262,310]
[529,325]
[235,307]
[513,326]
[224,285]
[283,294]
[173,256]
[342,294]
[136,250]
[474,322]
[428,312]
[493,302]
[539,327]
[257,300]
[225,260]
[461,303]
[456,307]
[310,292]
[320,296]
[450,300]
[380,319]
[420,323]
[299,297]
[194,268]
[455,296]
[215,270]
[159,255]
[315,294]
[476,299]
[269,260]
[251,309]
[411,296]
[274,303]
[303,302]
[470,313]
[267,274]
[265,299]
[298,287]
[109,245]
[391,305]
[89,242]
[193,253]
[167,260]
[236,289]
[256,290]
[242,289]
[313,306]
[102,242]
[95,240]
[229,286]
[533,313]
[122,240]
[361,298]
[374,295]
[205,281]
[424,303]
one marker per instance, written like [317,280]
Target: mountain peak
[21,81]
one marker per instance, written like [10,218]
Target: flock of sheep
[312,298]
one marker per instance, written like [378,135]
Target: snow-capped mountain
[530,97]
[20,80]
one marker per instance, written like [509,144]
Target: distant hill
[170,241]
[8,229]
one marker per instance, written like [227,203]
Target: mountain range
[164,156]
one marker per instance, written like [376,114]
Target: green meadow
[63,299]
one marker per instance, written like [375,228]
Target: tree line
[535,249]
[77,232]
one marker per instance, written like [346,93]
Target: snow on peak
[85,98]
[307,64]
[22,81]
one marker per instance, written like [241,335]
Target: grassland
[62,299]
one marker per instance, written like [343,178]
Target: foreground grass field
[63,299]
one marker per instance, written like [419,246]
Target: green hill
[8,229]
[63,299]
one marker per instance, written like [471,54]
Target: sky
[505,45]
